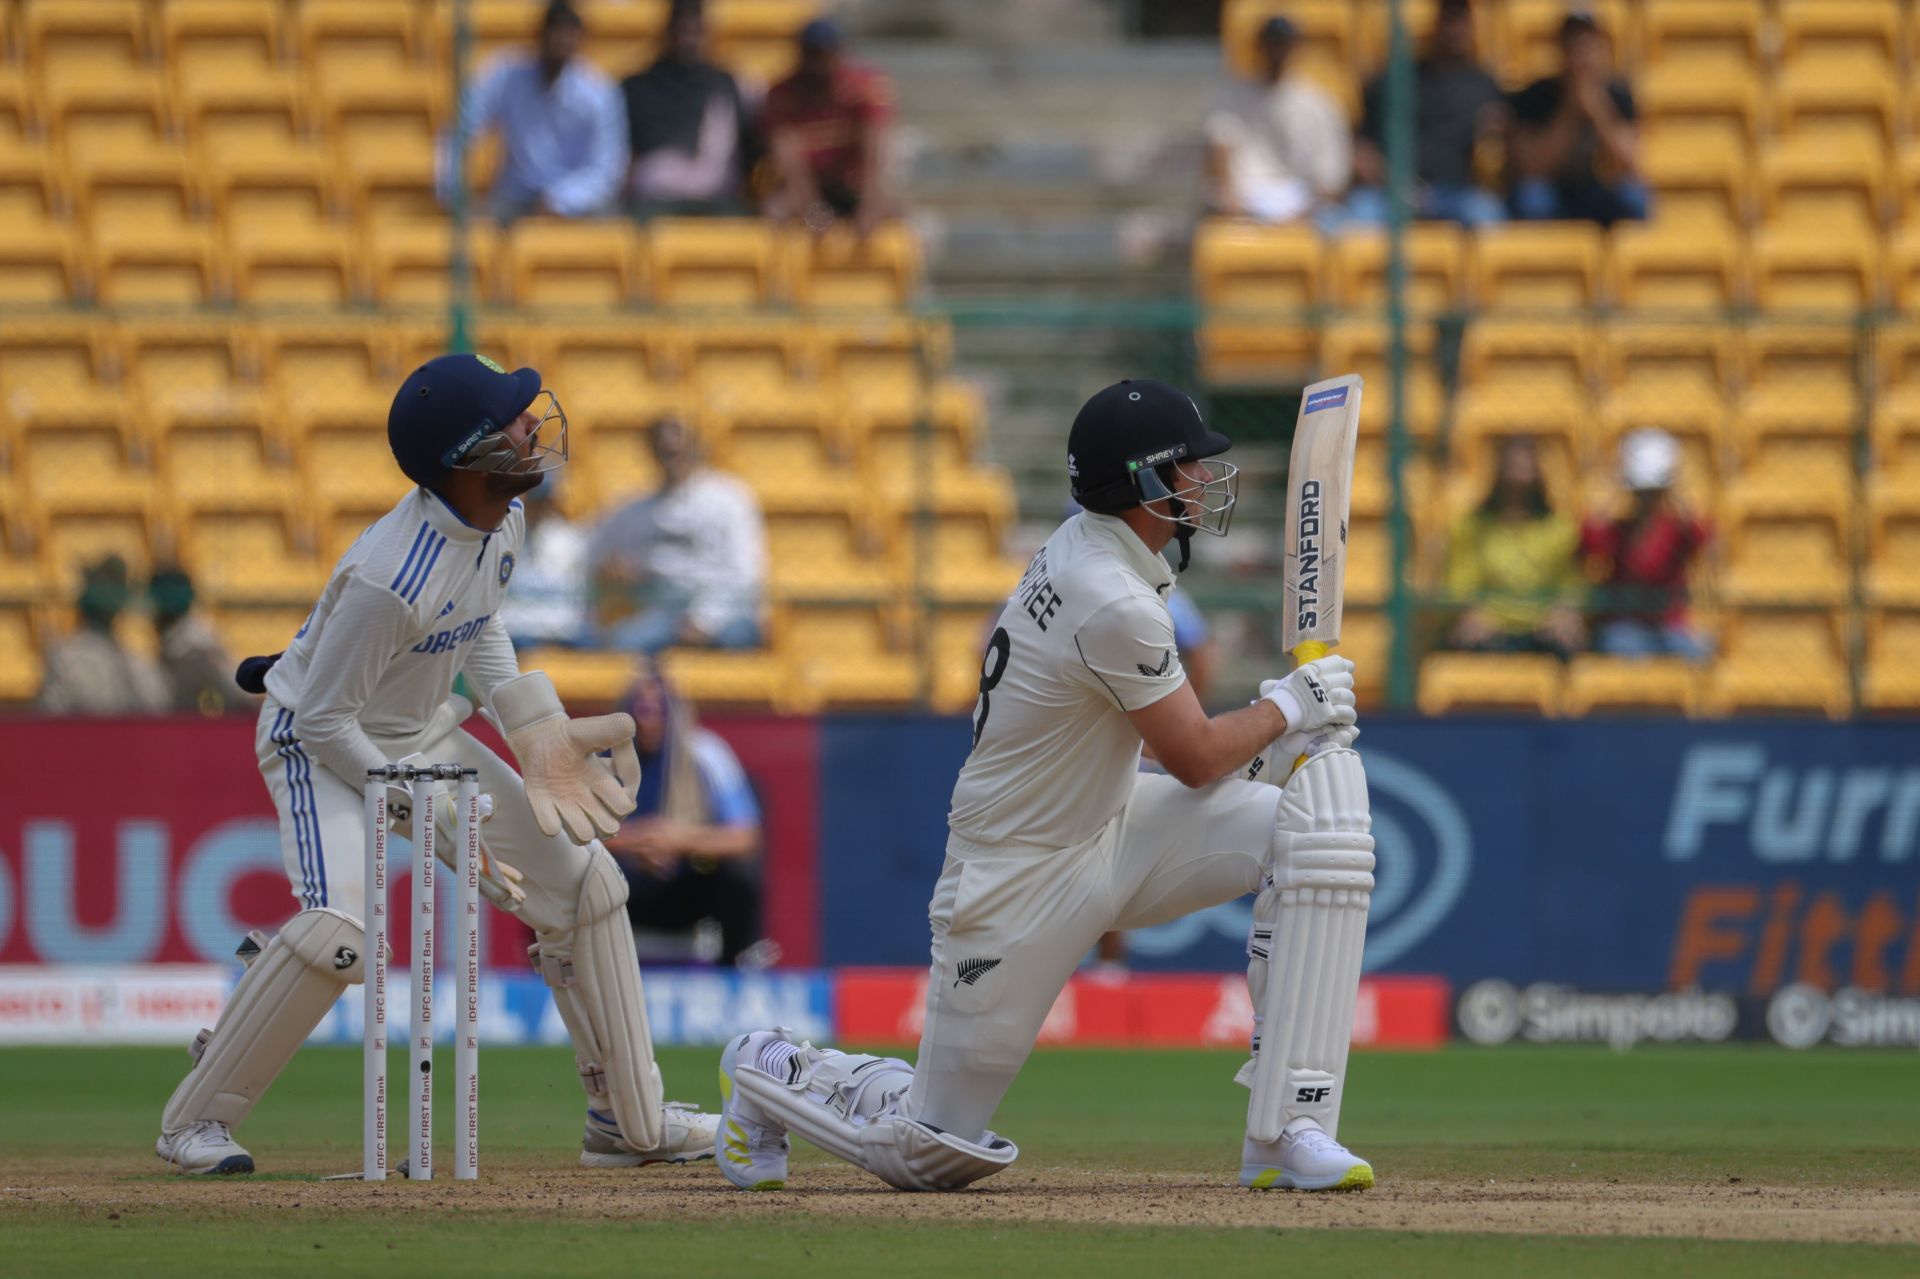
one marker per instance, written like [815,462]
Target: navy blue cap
[821,33]
[448,405]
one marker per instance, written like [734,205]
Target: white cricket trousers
[1010,925]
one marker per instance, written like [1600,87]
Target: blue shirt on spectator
[565,143]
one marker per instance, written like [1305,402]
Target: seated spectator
[691,848]
[827,124]
[1511,564]
[548,602]
[1640,561]
[197,666]
[1576,146]
[562,129]
[89,673]
[1457,106]
[685,564]
[1279,149]
[690,134]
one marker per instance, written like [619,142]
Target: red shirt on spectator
[1642,565]
[832,125]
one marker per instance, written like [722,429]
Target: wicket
[466,1049]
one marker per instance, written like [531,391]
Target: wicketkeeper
[1055,837]
[368,681]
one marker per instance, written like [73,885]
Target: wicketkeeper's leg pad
[595,978]
[1309,927]
[849,1106]
[287,988]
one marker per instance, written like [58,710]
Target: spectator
[1457,106]
[827,123]
[89,673]
[548,602]
[685,564]
[1641,560]
[691,136]
[1278,148]
[1511,563]
[560,124]
[691,848]
[1576,148]
[198,668]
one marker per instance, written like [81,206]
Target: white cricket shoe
[688,1136]
[1305,1158]
[204,1147]
[750,1151]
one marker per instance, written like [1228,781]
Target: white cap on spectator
[1648,459]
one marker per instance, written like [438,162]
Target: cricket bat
[1319,492]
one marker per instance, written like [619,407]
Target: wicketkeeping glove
[568,783]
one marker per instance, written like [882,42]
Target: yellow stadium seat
[226,467]
[95,109]
[410,263]
[1366,637]
[247,629]
[1699,182]
[743,679]
[1903,267]
[146,188]
[40,265]
[250,557]
[285,190]
[623,38]
[1530,43]
[737,361]
[1436,268]
[1633,685]
[716,262]
[1896,430]
[1682,358]
[497,26]
[242,116]
[1369,559]
[613,396]
[849,656]
[160,265]
[1360,346]
[292,265]
[1324,31]
[373,112]
[1699,31]
[824,553]
[1709,99]
[553,263]
[1823,182]
[71,542]
[1544,265]
[1801,408]
[1844,97]
[59,369]
[326,372]
[1891,681]
[1893,540]
[956,649]
[1819,358]
[1787,541]
[88,466]
[60,35]
[1678,267]
[21,668]
[351,36]
[1509,682]
[788,449]
[754,39]
[193,372]
[880,367]
[349,478]
[838,271]
[19,109]
[1780,661]
[1553,414]
[1372,495]
[1802,269]
[1260,285]
[1867,29]
[940,440]
[398,188]
[203,39]
[31,193]
[955,558]
[1525,357]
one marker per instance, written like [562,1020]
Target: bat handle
[1307,651]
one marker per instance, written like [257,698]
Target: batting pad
[1309,927]
[595,977]
[279,1000]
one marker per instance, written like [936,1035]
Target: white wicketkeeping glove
[1316,696]
[568,784]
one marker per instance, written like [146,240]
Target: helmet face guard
[1202,494]
[494,451]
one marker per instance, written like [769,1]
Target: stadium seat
[349,37]
[159,265]
[1542,265]
[1702,31]
[956,640]
[1360,346]
[210,39]
[1846,98]
[1530,44]
[1711,100]
[1524,357]
[250,557]
[279,189]
[1553,414]
[1260,285]
[613,395]
[246,116]
[246,628]
[1631,685]
[1802,403]
[106,109]
[69,542]
[1695,418]
[349,479]
[1324,31]
[193,372]
[225,465]
[1823,182]
[850,655]
[1868,29]
[1779,661]
[1369,560]
[332,371]
[57,369]
[1787,541]
[547,262]
[826,552]
[1700,184]
[1508,682]
[144,187]
[1891,681]
[754,39]
[1903,267]
[1893,540]
[787,449]
[955,557]
[879,365]
[19,108]
[496,26]
[736,361]
[21,669]
[940,440]
[623,38]
[837,271]
[282,265]
[88,466]
[397,188]
[753,678]
[60,35]
[1436,268]
[1678,266]
[710,262]
[410,263]
[1808,269]
[1372,495]
[31,193]
[374,112]
[40,265]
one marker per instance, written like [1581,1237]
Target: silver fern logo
[972,970]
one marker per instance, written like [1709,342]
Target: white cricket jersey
[1085,638]
[413,603]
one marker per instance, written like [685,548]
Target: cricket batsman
[367,682]
[1055,837]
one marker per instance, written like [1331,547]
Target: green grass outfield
[76,1130]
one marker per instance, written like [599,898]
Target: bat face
[1319,490]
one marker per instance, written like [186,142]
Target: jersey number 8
[1000,646]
